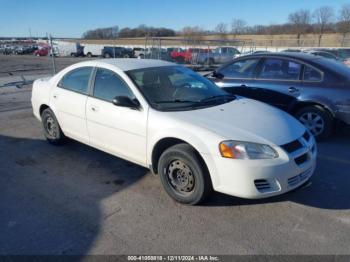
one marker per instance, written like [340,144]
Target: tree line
[320,21]
[140,31]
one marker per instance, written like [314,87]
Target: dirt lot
[73,199]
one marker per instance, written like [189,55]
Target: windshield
[177,88]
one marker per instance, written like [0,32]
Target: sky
[71,18]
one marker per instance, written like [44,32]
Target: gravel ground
[73,199]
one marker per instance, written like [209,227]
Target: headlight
[246,150]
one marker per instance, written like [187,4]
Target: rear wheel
[89,55]
[52,129]
[107,55]
[317,119]
[183,175]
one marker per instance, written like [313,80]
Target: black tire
[107,55]
[193,184]
[312,115]
[126,56]
[52,129]
[89,55]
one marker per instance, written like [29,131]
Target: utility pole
[52,55]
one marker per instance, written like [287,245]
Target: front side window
[177,88]
[240,69]
[311,74]
[77,80]
[280,69]
[108,85]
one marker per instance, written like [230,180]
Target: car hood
[246,120]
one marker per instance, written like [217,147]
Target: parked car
[41,52]
[139,52]
[314,89]
[117,52]
[185,56]
[323,54]
[166,117]
[23,50]
[342,54]
[91,50]
[219,55]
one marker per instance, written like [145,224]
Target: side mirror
[125,101]
[217,75]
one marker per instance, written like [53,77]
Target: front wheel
[183,175]
[52,129]
[317,119]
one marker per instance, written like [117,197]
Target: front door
[118,130]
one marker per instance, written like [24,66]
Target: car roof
[126,64]
[300,55]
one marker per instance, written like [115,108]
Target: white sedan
[178,124]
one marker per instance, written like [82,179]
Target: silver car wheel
[312,121]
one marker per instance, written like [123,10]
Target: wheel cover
[313,121]
[51,127]
[180,177]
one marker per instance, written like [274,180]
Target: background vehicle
[219,55]
[139,52]
[313,89]
[323,54]
[91,50]
[41,52]
[179,124]
[22,50]
[188,55]
[117,52]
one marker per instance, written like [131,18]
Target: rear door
[69,101]
[278,82]
[237,77]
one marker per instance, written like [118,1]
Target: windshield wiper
[210,98]
[175,101]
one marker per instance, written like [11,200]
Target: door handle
[55,96]
[94,108]
[293,90]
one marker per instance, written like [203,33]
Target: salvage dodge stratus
[170,119]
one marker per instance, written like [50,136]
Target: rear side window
[240,69]
[77,80]
[311,74]
[108,85]
[280,69]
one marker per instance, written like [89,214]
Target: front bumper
[254,179]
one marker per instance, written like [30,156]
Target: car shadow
[327,189]
[50,196]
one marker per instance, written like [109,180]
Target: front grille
[295,180]
[306,136]
[292,146]
[262,185]
[301,159]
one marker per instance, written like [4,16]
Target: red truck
[185,56]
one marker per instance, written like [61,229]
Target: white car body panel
[132,134]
